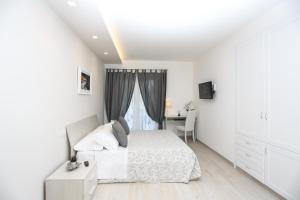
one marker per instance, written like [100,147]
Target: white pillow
[106,138]
[88,143]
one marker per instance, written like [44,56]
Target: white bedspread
[151,156]
[160,156]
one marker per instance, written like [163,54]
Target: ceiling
[86,20]
[174,30]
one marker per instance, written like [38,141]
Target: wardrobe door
[283,57]
[250,88]
[283,172]
[283,132]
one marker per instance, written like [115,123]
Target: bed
[151,156]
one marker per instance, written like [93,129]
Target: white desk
[173,120]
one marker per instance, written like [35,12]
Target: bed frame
[78,130]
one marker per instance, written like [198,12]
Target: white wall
[216,124]
[179,79]
[39,59]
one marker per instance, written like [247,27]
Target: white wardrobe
[268,108]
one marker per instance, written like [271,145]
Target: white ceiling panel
[84,18]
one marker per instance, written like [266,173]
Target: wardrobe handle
[266,116]
[266,150]
[261,115]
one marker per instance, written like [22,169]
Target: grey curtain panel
[119,86]
[153,87]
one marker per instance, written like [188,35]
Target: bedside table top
[78,174]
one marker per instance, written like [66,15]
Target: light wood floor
[219,181]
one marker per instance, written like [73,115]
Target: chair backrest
[190,120]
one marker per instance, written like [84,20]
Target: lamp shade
[168,103]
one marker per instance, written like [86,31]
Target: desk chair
[188,127]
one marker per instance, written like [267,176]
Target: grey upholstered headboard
[76,131]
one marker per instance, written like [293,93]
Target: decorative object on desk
[84,85]
[73,164]
[86,163]
[74,159]
[168,106]
[178,114]
[189,106]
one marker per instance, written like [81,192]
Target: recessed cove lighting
[95,37]
[72,3]
[105,53]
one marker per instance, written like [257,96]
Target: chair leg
[185,137]
[193,134]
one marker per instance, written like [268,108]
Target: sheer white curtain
[136,116]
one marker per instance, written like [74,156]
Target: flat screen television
[206,90]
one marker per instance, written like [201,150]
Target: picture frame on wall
[84,79]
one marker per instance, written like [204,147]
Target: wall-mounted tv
[206,90]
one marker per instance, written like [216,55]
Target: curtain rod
[133,69]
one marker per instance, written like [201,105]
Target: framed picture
[84,81]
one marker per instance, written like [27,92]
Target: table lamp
[168,106]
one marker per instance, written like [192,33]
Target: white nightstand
[79,184]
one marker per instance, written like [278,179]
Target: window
[136,116]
